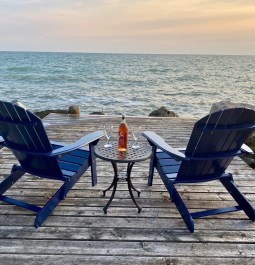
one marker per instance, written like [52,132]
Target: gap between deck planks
[79,232]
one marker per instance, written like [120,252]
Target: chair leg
[49,206]
[239,197]
[59,195]
[16,173]
[93,163]
[184,212]
[152,166]
[55,199]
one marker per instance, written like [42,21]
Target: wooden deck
[79,232]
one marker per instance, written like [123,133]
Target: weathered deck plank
[78,232]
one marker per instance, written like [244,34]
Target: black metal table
[131,156]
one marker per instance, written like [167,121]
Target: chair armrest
[156,140]
[246,149]
[91,137]
[57,145]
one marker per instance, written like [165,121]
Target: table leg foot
[131,187]
[114,185]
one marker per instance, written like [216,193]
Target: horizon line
[128,53]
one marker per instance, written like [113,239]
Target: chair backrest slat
[24,133]
[215,135]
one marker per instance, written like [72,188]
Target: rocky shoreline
[164,112]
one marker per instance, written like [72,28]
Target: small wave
[20,68]
[188,78]
[159,71]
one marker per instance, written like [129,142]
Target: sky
[129,26]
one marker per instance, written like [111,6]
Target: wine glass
[136,132]
[108,128]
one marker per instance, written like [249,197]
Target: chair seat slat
[72,159]
[69,166]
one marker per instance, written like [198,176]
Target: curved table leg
[130,186]
[113,184]
[133,188]
[129,169]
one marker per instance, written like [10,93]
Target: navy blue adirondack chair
[213,143]
[24,134]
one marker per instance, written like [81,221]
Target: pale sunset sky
[129,26]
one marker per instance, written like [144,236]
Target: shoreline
[161,113]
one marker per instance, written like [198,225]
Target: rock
[18,103]
[163,112]
[97,113]
[251,141]
[74,109]
[44,113]
[249,159]
[228,104]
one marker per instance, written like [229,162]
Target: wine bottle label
[121,139]
[122,144]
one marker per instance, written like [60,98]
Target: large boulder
[74,109]
[249,159]
[163,112]
[228,104]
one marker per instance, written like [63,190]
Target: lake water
[135,83]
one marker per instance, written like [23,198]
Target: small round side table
[130,157]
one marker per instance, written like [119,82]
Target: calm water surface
[138,84]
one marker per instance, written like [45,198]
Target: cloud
[139,24]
